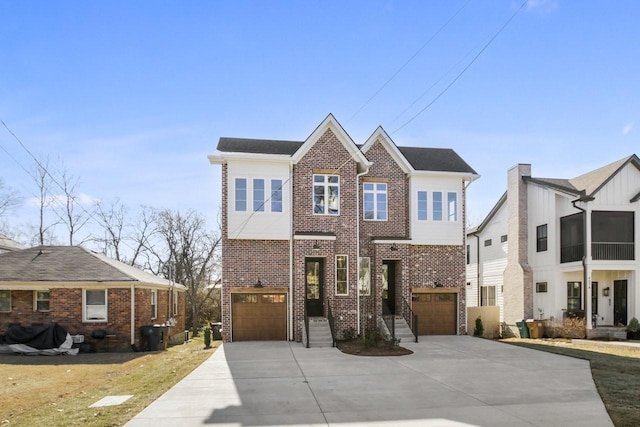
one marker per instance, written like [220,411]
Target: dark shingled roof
[69,264]
[435,159]
[423,159]
[258,146]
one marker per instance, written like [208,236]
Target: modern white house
[555,248]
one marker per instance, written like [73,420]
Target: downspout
[133,314]
[291,295]
[478,269]
[358,246]
[587,250]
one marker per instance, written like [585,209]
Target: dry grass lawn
[58,390]
[615,371]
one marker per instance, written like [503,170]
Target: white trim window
[422,206]
[452,206]
[258,195]
[276,195]
[241,194]
[487,296]
[5,301]
[437,205]
[154,304]
[40,300]
[375,201]
[175,303]
[364,276]
[342,275]
[94,305]
[326,194]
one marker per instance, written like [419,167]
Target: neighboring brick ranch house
[325,226]
[555,247]
[84,291]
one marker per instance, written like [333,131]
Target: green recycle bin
[524,330]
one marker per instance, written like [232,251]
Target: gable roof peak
[591,182]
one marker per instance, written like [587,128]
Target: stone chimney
[518,277]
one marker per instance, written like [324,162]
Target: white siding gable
[261,225]
[430,231]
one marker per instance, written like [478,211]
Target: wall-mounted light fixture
[605,291]
[393,247]
[438,284]
[316,245]
[258,284]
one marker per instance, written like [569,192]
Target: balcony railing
[600,251]
[619,251]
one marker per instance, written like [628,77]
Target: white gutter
[291,296]
[133,314]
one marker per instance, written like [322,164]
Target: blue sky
[132,96]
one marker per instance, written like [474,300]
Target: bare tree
[191,256]
[112,219]
[9,199]
[43,180]
[69,210]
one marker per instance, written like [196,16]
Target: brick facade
[65,308]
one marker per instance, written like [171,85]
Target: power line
[409,60]
[465,68]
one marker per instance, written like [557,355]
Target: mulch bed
[358,348]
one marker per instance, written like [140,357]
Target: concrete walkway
[448,381]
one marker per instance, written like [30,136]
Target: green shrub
[207,336]
[634,325]
[479,329]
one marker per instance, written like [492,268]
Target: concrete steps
[319,332]
[403,331]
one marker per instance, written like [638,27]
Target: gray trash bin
[216,328]
[150,338]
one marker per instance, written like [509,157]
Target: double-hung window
[437,206]
[41,301]
[175,303]
[258,195]
[342,281]
[241,194]
[541,238]
[487,296]
[574,296]
[452,206]
[276,195]
[375,201]
[5,301]
[326,194]
[422,206]
[95,305]
[364,276]
[154,303]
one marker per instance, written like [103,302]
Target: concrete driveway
[448,381]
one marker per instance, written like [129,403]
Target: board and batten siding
[264,225]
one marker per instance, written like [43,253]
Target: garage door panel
[437,313]
[259,317]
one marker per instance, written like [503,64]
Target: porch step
[403,331]
[319,332]
[608,333]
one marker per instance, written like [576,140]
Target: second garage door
[437,314]
[259,317]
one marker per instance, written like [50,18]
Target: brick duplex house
[325,228]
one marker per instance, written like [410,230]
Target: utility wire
[465,68]
[409,60]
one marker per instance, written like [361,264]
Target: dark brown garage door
[259,317]
[437,314]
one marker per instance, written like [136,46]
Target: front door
[389,284]
[619,302]
[313,278]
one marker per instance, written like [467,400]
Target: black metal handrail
[331,325]
[306,325]
[389,319]
[410,318]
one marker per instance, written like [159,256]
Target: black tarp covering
[40,337]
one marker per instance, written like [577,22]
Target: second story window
[241,194]
[437,206]
[375,201]
[541,238]
[326,194]
[452,206]
[422,206]
[258,195]
[276,195]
